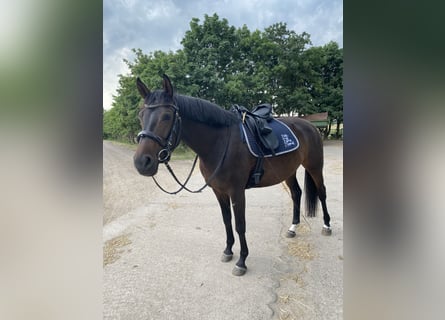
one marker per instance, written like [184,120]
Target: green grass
[182,152]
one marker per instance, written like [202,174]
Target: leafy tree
[210,56]
[111,123]
[227,65]
[120,122]
[151,67]
[283,61]
[324,81]
[332,72]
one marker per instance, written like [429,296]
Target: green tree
[120,122]
[227,65]
[323,81]
[332,72]
[210,55]
[152,66]
[283,61]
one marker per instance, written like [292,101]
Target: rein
[183,185]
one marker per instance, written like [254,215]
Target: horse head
[161,125]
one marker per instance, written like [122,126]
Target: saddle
[256,121]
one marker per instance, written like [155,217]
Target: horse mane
[204,111]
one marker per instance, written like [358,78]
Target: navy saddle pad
[288,140]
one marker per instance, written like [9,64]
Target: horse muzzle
[146,165]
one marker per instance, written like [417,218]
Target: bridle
[174,136]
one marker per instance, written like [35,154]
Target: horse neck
[207,142]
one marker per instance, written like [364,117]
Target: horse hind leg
[314,185]
[327,230]
[296,192]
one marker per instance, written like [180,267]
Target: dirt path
[161,252]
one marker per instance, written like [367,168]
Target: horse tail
[311,195]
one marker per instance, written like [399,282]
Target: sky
[161,25]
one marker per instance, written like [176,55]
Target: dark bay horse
[225,161]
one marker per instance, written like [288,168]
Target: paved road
[162,253]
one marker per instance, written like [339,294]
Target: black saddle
[257,122]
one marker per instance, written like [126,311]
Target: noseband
[174,136]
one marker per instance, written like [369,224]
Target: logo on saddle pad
[288,142]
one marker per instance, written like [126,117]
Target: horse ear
[167,85]
[143,90]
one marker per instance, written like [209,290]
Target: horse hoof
[238,271]
[326,231]
[290,234]
[226,257]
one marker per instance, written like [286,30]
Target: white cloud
[128,3]
[160,10]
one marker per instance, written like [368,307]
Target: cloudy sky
[161,24]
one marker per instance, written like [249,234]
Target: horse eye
[166,117]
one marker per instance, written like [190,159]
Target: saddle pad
[288,140]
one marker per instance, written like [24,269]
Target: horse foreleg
[296,192]
[239,207]
[224,203]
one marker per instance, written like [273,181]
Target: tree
[332,72]
[283,61]
[120,122]
[227,65]
[210,56]
[324,81]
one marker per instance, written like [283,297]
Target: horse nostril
[147,161]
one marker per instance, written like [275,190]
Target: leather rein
[169,145]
